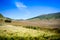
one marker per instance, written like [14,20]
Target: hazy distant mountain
[47,16]
[19,19]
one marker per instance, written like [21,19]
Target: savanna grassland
[28,30]
[38,28]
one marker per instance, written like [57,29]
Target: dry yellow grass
[17,32]
[8,29]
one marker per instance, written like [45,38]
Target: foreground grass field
[9,32]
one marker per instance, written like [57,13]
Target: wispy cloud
[23,9]
[20,5]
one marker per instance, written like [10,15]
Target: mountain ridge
[47,16]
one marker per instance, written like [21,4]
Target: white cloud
[23,9]
[20,5]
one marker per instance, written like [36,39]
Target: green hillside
[1,16]
[47,16]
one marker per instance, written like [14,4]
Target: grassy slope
[9,32]
[47,16]
[1,16]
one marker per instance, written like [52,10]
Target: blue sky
[24,9]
